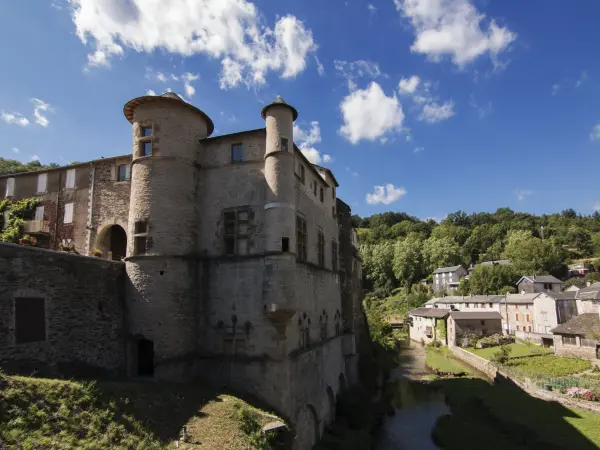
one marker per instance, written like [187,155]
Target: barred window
[301,238]
[321,248]
[569,340]
[588,342]
[334,256]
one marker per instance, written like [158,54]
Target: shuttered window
[10,187]
[30,320]
[42,182]
[70,181]
[39,213]
[68,213]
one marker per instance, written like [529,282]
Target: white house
[423,324]
[448,277]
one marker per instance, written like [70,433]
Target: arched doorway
[145,358]
[330,408]
[112,240]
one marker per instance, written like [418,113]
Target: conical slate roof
[279,101]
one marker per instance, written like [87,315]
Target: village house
[588,299]
[539,283]
[423,324]
[481,323]
[579,337]
[447,278]
[467,302]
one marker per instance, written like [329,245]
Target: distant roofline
[67,166]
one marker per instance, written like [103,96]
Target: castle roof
[130,106]
[282,102]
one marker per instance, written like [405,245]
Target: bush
[502,355]
[97,252]
[495,340]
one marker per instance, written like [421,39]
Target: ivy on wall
[18,212]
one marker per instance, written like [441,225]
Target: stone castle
[227,258]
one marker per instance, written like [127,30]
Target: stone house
[239,263]
[588,299]
[579,337]
[423,323]
[517,312]
[539,283]
[467,302]
[447,278]
[482,323]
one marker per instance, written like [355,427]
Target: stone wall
[84,313]
[574,351]
[483,365]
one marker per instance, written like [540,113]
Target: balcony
[36,226]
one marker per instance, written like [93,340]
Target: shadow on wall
[504,417]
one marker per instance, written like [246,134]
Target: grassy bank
[440,360]
[55,414]
[516,350]
[501,417]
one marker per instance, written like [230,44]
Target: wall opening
[145,358]
[112,241]
[30,320]
[285,244]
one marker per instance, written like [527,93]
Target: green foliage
[489,280]
[13,166]
[408,260]
[18,212]
[440,360]
[441,252]
[250,424]
[547,366]
[441,331]
[530,254]
[502,355]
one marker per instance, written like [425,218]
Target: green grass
[439,359]
[54,414]
[547,366]
[502,417]
[516,350]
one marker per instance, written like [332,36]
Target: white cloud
[14,118]
[229,30]
[35,158]
[555,88]
[409,85]
[369,114]
[372,9]
[352,71]
[482,110]
[595,134]
[306,140]
[40,106]
[186,78]
[418,149]
[16,150]
[522,193]
[582,79]
[435,112]
[150,92]
[385,194]
[453,28]
[596,206]
[320,68]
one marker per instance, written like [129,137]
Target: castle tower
[280,214]
[162,233]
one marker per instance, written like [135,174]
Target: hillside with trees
[400,250]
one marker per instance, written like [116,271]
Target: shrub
[495,340]
[28,240]
[502,355]
[97,252]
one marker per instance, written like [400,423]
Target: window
[569,340]
[547,286]
[333,212]
[70,180]
[491,305]
[147,148]
[39,213]
[301,238]
[30,320]
[237,153]
[236,232]
[466,305]
[140,237]
[315,188]
[284,144]
[334,256]
[68,218]
[146,131]
[333,192]
[285,244]
[588,342]
[518,328]
[10,187]
[321,248]
[42,181]
[123,172]
[517,307]
[527,318]
[529,328]
[302,174]
[517,316]
[321,194]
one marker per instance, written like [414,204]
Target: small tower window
[140,231]
[284,144]
[237,153]
[147,148]
[285,244]
[146,131]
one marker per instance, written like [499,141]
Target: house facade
[447,278]
[423,324]
[539,283]
[240,264]
[579,337]
[481,323]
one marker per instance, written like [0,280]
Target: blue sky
[423,106]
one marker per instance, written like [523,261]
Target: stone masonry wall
[84,312]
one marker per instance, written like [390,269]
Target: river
[417,405]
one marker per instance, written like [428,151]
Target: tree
[531,255]
[408,260]
[581,240]
[440,252]
[457,233]
[482,237]
[378,264]
[492,280]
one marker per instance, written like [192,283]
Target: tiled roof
[589,293]
[565,295]
[521,299]
[540,279]
[446,269]
[438,313]
[469,299]
[582,325]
